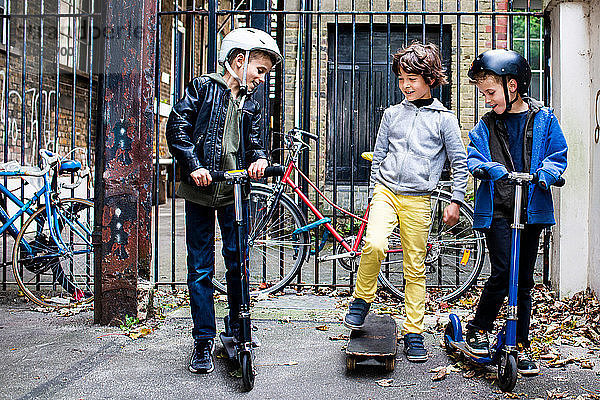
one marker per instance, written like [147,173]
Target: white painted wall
[594,257]
[570,71]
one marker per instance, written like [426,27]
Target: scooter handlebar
[480,173]
[560,182]
[221,176]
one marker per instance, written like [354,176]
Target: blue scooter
[241,351]
[504,351]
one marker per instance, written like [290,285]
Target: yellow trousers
[412,216]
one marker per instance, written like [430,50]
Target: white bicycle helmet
[247,39]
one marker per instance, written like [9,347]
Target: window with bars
[528,39]
[74,39]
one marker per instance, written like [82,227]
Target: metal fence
[49,92]
[335,81]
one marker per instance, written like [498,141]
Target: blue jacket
[548,159]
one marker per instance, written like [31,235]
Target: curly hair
[421,59]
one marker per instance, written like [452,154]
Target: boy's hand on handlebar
[451,214]
[201,177]
[256,170]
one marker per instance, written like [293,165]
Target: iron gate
[335,81]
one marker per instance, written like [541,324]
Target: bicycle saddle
[69,166]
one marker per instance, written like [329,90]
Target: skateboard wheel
[350,363]
[390,363]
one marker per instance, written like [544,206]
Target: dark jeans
[200,240]
[498,240]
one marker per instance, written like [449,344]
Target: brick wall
[465,101]
[34,116]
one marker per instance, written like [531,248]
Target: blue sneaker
[357,312]
[414,348]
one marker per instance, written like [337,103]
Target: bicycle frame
[351,250]
[51,213]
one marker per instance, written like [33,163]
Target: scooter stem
[246,333]
[517,227]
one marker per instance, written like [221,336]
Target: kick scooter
[504,351]
[241,351]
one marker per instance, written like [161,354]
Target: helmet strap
[242,80]
[244,85]
[509,103]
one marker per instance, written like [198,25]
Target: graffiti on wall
[34,127]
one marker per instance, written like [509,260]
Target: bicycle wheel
[454,255]
[51,277]
[275,252]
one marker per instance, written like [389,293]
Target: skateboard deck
[375,343]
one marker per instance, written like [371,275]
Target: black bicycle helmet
[507,64]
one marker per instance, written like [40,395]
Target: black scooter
[242,351]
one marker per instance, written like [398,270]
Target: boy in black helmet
[520,135]
[215,126]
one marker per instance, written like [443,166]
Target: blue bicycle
[52,258]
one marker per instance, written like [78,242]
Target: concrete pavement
[45,356]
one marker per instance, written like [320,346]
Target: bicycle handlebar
[305,133]
[221,176]
[516,177]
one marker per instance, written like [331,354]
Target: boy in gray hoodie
[414,139]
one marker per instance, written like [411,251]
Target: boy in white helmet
[214,127]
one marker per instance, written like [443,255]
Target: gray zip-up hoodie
[411,149]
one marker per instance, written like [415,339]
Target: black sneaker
[201,361]
[525,365]
[414,348]
[477,342]
[358,310]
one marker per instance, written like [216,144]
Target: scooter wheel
[449,331]
[390,363]
[248,373]
[507,371]
[350,363]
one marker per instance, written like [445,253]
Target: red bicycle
[280,237]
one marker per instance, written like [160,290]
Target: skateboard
[374,344]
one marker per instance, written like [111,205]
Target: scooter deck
[462,346]
[229,345]
[377,341]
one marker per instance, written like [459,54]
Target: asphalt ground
[46,356]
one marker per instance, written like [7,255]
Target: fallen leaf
[322,328]
[341,336]
[469,374]
[237,373]
[384,382]
[440,375]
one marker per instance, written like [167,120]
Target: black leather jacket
[196,124]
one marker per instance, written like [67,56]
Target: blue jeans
[200,240]
[498,240]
